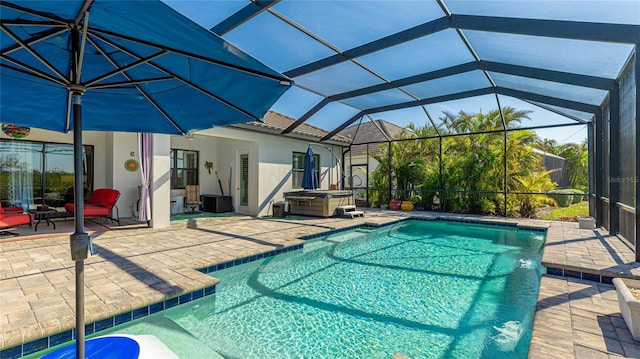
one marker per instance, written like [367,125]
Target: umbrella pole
[79,239]
[80,309]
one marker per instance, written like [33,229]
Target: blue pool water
[424,289]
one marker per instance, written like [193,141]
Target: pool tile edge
[36,345]
[68,335]
[542,228]
[248,259]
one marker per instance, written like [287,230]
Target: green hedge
[565,197]
[578,195]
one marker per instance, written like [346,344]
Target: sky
[348,24]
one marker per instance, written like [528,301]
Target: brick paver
[138,266]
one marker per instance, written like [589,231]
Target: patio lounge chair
[100,204]
[12,217]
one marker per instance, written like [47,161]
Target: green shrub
[563,197]
[573,211]
[578,195]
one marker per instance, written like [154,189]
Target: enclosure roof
[408,61]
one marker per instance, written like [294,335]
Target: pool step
[348,211]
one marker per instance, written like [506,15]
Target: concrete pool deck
[577,314]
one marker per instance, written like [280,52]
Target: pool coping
[488,222]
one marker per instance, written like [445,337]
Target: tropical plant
[578,169]
[379,179]
[533,182]
[474,164]
[407,165]
[577,156]
[566,197]
[471,170]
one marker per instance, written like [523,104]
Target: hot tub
[319,203]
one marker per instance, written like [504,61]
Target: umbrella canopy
[140,65]
[127,66]
[309,178]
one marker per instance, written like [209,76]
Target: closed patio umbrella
[309,178]
[127,66]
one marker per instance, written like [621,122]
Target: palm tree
[407,163]
[476,162]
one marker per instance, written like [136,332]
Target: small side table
[43,214]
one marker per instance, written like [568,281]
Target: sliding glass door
[37,173]
[20,172]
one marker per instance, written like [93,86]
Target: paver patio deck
[138,266]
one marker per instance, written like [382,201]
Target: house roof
[375,131]
[274,123]
[370,132]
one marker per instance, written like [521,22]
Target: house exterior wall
[119,149]
[269,165]
[229,151]
[160,181]
[270,171]
[94,138]
[98,140]
[111,150]
[207,151]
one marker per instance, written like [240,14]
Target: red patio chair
[100,204]
[13,209]
[11,217]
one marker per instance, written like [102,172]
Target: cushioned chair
[192,197]
[100,204]
[13,209]
[11,217]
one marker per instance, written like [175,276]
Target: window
[297,170]
[184,168]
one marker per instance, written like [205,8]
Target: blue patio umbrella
[127,66]
[309,178]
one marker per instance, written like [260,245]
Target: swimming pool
[424,289]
